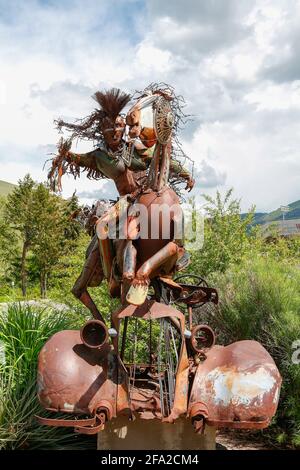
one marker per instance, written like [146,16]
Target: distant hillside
[294,213]
[5,188]
[262,218]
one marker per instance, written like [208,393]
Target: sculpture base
[152,434]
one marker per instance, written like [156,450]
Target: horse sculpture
[99,371]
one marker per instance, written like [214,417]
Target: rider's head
[112,130]
[111,123]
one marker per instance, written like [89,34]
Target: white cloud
[235,62]
[272,97]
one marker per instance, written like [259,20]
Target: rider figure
[107,125]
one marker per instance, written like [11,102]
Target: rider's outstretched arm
[84,160]
[98,163]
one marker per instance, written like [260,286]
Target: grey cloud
[286,71]
[61,28]
[192,28]
[210,11]
[64,94]
[208,176]
[212,100]
[269,123]
[283,65]
[34,156]
[107,191]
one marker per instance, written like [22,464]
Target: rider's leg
[129,261]
[139,287]
[168,253]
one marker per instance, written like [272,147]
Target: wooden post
[152,434]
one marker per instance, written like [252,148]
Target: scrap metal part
[73,378]
[236,386]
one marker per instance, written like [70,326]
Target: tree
[226,235]
[49,232]
[38,225]
[70,209]
[8,244]
[18,218]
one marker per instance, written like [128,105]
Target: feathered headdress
[111,102]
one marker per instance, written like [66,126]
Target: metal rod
[150,343]
[124,338]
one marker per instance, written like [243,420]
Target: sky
[236,62]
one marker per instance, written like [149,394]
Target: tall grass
[261,300]
[23,331]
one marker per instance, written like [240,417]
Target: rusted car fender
[73,378]
[236,386]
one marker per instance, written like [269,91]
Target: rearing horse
[146,250]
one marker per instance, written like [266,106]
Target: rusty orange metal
[234,386]
[73,378]
[237,386]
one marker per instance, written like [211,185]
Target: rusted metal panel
[75,379]
[149,310]
[238,386]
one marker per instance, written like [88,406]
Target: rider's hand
[63,148]
[190,184]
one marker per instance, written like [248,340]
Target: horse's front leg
[139,288]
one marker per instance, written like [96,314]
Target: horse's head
[149,123]
[150,119]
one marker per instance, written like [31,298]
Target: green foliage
[49,233]
[66,272]
[23,331]
[18,208]
[37,229]
[19,221]
[8,245]
[225,235]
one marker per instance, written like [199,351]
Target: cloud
[234,61]
[282,60]
[64,97]
[107,191]
[193,28]
[288,68]
[208,176]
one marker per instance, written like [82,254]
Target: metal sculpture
[100,372]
